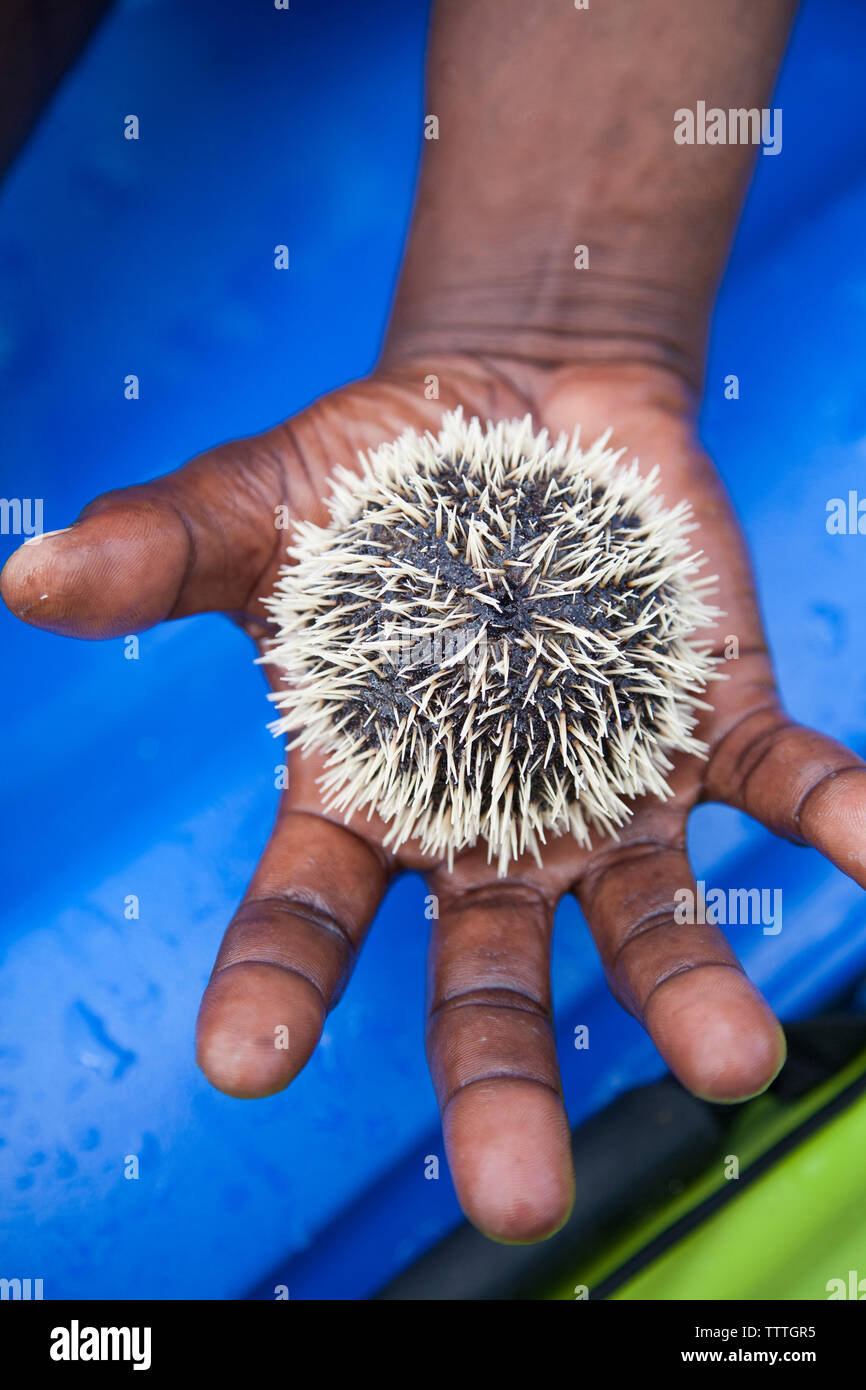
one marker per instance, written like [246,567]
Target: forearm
[556,130]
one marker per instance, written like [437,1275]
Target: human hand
[204,539]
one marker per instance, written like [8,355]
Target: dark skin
[203,539]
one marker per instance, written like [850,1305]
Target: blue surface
[126,777]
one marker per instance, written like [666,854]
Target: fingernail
[46,535]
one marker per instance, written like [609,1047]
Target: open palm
[204,538]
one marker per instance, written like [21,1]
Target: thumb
[196,540]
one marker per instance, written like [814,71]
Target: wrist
[606,314]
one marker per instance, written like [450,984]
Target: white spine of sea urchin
[493,638]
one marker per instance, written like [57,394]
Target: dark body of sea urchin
[493,638]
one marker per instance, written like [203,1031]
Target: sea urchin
[493,638]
